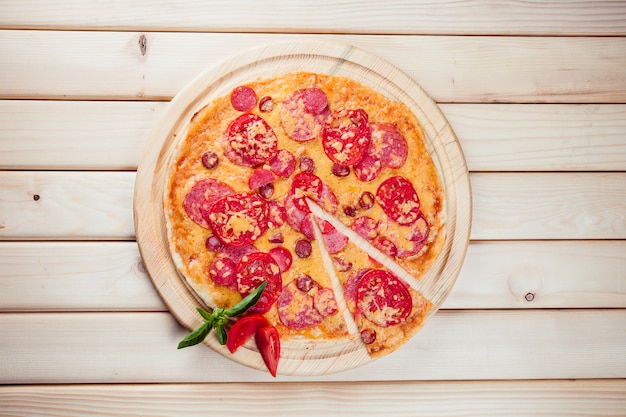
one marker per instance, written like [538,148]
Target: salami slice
[416,240]
[223,271]
[277,214]
[243,98]
[324,302]
[386,246]
[306,185]
[201,198]
[260,177]
[303,303]
[296,308]
[282,256]
[239,219]
[250,141]
[399,200]
[388,145]
[293,214]
[346,136]
[254,269]
[353,283]
[366,227]
[328,200]
[368,168]
[335,241]
[283,164]
[303,114]
[383,298]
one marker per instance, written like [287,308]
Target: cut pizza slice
[384,301]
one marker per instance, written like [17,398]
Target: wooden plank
[66,205]
[548,206]
[156,65]
[541,274]
[453,345]
[592,398]
[98,205]
[544,137]
[575,17]
[79,276]
[107,135]
[109,276]
[95,135]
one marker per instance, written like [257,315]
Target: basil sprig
[217,318]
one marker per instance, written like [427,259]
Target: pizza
[319,186]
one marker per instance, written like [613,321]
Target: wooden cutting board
[305,357]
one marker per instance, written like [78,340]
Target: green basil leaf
[221,334]
[197,336]
[250,300]
[205,314]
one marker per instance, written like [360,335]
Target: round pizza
[322,188]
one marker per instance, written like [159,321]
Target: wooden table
[536,93]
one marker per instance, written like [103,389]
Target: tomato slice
[243,330]
[268,342]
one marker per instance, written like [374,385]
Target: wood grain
[109,135]
[537,205]
[592,398]
[455,345]
[572,17]
[493,69]
[75,135]
[109,276]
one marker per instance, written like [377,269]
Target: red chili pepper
[268,342]
[244,329]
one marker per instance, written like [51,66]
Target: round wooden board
[305,357]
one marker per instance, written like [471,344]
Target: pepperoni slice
[305,185]
[222,271]
[283,164]
[366,227]
[260,177]
[417,238]
[296,308]
[201,198]
[237,252]
[282,256]
[252,271]
[328,200]
[303,114]
[250,141]
[239,219]
[383,298]
[388,145]
[243,98]
[368,168]
[346,136]
[324,302]
[386,246]
[353,283]
[294,215]
[399,200]
[277,214]
[335,241]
